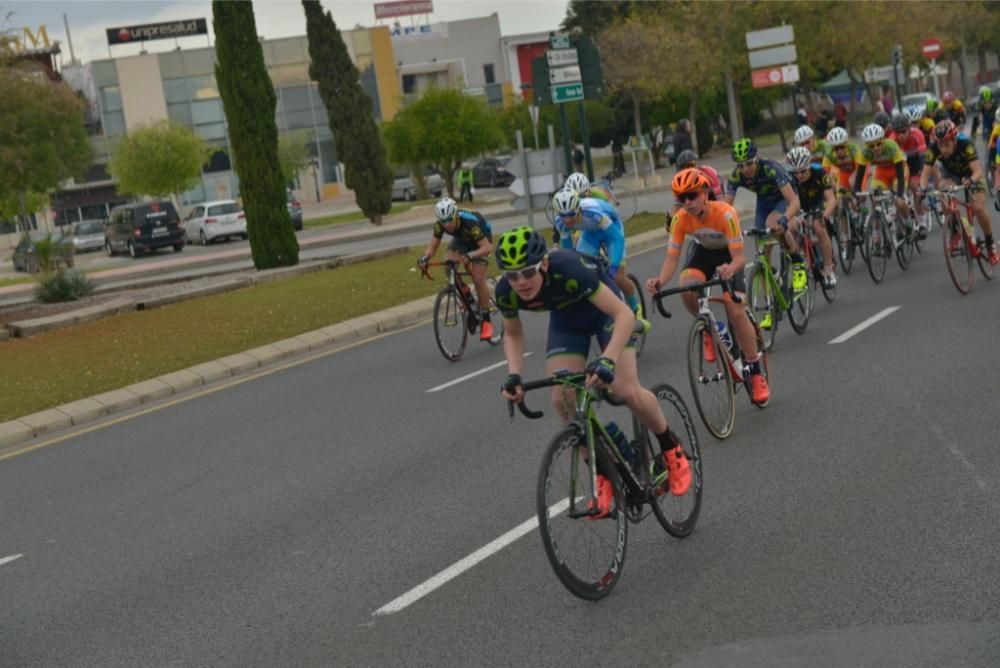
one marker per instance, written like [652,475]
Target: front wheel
[904,253]
[761,304]
[956,255]
[637,288]
[586,553]
[628,203]
[843,246]
[450,324]
[676,514]
[875,245]
[799,302]
[711,379]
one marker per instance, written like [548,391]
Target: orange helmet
[688,181]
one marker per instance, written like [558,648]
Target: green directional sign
[568,92]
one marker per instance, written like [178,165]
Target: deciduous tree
[160,159]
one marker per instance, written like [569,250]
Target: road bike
[773,295]
[715,381]
[961,245]
[806,238]
[883,237]
[585,547]
[640,337]
[456,310]
[848,237]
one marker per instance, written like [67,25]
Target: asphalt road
[264,522]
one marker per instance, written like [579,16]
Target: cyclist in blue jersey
[776,199]
[600,228]
[584,303]
[471,244]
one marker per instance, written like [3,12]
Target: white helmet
[566,201]
[799,158]
[578,182]
[837,137]
[803,134]
[914,113]
[873,132]
[997,115]
[446,209]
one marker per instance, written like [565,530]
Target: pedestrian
[465,182]
[682,138]
[617,157]
[840,115]
[801,115]
[577,159]
[657,146]
[887,101]
[823,121]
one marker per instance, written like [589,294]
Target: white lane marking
[465,564]
[470,375]
[866,324]
[959,456]
[7,560]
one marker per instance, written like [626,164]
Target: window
[171,65]
[111,98]
[202,88]
[219,162]
[288,51]
[409,84]
[222,209]
[208,111]
[114,123]
[296,99]
[105,73]
[211,131]
[329,161]
[488,73]
[200,61]
[289,75]
[175,90]
[196,212]
[297,120]
[181,113]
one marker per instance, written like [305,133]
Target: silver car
[405,188]
[88,235]
[220,219]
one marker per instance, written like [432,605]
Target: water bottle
[969,230]
[621,442]
[724,334]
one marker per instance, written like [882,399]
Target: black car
[146,226]
[491,172]
[25,257]
[294,210]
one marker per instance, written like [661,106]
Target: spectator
[577,159]
[823,122]
[465,181]
[682,138]
[801,115]
[840,115]
[886,101]
[657,146]
[617,157]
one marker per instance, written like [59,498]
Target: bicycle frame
[761,243]
[949,196]
[454,272]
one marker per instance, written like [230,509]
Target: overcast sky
[88,19]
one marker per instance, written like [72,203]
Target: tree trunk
[739,112]
[636,115]
[779,124]
[852,105]
[810,105]
[417,169]
[25,224]
[692,115]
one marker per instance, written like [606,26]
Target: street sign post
[560,41]
[772,57]
[560,57]
[569,74]
[567,92]
[931,48]
[774,76]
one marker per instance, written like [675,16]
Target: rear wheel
[761,304]
[637,288]
[450,324]
[108,249]
[628,203]
[676,514]
[984,260]
[875,242]
[586,553]
[956,255]
[711,381]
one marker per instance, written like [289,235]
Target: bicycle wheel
[956,255]
[760,303]
[842,245]
[586,554]
[862,232]
[904,253]
[711,381]
[765,366]
[450,324]
[628,203]
[676,514]
[550,210]
[875,241]
[984,260]
[799,303]
[641,340]
[495,317]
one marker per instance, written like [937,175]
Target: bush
[63,286]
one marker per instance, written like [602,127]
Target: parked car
[88,235]
[25,257]
[146,226]
[294,210]
[491,173]
[404,186]
[219,219]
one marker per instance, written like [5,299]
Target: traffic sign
[778,55]
[567,92]
[774,76]
[569,74]
[931,48]
[560,57]
[758,39]
[559,41]
[877,74]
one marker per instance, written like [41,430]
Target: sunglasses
[742,165]
[800,171]
[877,145]
[526,273]
[687,197]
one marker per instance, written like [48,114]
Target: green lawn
[44,371]
[4,282]
[357,216]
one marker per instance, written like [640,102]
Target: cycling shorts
[765,207]
[885,177]
[703,263]
[457,245]
[591,242]
[978,186]
[570,330]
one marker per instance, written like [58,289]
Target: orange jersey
[717,228]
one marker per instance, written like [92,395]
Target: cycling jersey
[714,182]
[889,167]
[471,228]
[914,148]
[716,234]
[821,151]
[600,227]
[959,163]
[846,164]
[956,112]
[984,112]
[994,155]
[812,191]
[603,192]
[889,156]
[766,183]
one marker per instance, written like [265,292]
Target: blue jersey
[600,227]
[767,182]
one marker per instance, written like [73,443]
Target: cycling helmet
[803,134]
[900,121]
[578,182]
[997,115]
[915,114]
[837,137]
[932,104]
[446,209]
[743,150]
[566,201]
[519,248]
[799,158]
[686,158]
[872,133]
[948,97]
[985,93]
[688,181]
[945,130]
[881,119]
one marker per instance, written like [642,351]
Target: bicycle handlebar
[561,377]
[453,264]
[727,286]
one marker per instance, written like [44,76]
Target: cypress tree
[248,100]
[358,141]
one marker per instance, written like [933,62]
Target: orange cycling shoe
[678,471]
[761,392]
[604,496]
[487,331]
[708,347]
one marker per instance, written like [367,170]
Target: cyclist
[599,229]
[596,194]
[819,148]
[911,143]
[472,244]
[688,159]
[888,163]
[584,303]
[954,107]
[927,122]
[984,111]
[883,120]
[815,191]
[718,248]
[959,165]
[776,202]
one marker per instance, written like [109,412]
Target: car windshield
[89,227]
[222,209]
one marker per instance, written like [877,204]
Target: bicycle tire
[765,365]
[875,242]
[550,210]
[573,564]
[628,203]
[983,259]
[640,343]
[760,301]
[863,245]
[676,514]
[711,382]
[798,304]
[845,241]
[495,317]
[450,317]
[960,270]
[904,253]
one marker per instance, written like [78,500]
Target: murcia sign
[31,41]
[150,31]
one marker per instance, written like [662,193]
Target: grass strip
[57,367]
[357,216]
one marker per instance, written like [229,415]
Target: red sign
[774,76]
[931,48]
[387,10]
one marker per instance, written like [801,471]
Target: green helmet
[932,104]
[744,149]
[985,93]
[520,247]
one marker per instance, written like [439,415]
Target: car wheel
[493,181]
[132,250]
[107,248]
[244,237]
[202,237]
